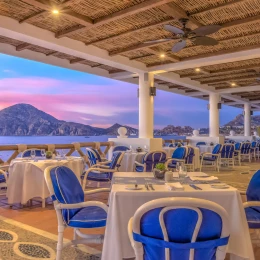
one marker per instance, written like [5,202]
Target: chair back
[93,156]
[152,158]
[180,228]
[190,155]
[245,148]
[27,153]
[64,187]
[120,148]
[116,160]
[216,149]
[253,190]
[172,145]
[179,153]
[237,146]
[227,151]
[200,143]
[253,144]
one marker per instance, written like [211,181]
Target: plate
[133,187]
[219,186]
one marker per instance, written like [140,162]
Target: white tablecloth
[123,204]
[170,150]
[127,163]
[26,178]
[206,148]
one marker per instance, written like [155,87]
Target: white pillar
[247,119]
[146,105]
[214,115]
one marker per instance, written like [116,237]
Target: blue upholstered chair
[150,160]
[211,159]
[121,148]
[27,153]
[227,155]
[179,228]
[3,180]
[71,209]
[104,173]
[189,159]
[252,206]
[254,149]
[200,143]
[94,158]
[178,155]
[237,153]
[172,145]
[245,151]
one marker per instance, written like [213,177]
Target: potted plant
[159,170]
[48,155]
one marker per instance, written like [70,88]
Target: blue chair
[27,153]
[121,148]
[237,155]
[3,179]
[179,228]
[94,158]
[227,155]
[189,159]
[103,174]
[178,155]
[71,209]
[211,159]
[245,151]
[254,149]
[172,145]
[252,206]
[150,160]
[200,143]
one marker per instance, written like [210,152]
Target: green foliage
[160,166]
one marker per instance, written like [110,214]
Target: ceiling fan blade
[204,40]
[159,40]
[179,46]
[173,29]
[208,29]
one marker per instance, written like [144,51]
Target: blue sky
[84,98]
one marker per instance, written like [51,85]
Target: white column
[214,115]
[247,119]
[146,105]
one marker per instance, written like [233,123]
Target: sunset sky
[84,98]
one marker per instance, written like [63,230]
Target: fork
[146,186]
[151,186]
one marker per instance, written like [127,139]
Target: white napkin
[210,178]
[174,186]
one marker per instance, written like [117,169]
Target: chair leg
[60,242]
[43,203]
[75,235]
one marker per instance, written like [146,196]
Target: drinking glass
[58,155]
[145,148]
[33,154]
[131,148]
[183,171]
[43,153]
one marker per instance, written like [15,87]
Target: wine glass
[62,152]
[131,148]
[145,148]
[43,153]
[33,154]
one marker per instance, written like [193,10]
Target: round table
[26,177]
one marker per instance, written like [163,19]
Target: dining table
[123,204]
[26,177]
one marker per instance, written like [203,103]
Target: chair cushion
[99,176]
[209,159]
[139,168]
[172,165]
[89,217]
[253,217]
[2,178]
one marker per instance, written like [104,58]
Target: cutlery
[146,186]
[195,187]
[151,186]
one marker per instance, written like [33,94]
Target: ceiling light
[162,55]
[55,11]
[197,69]
[233,84]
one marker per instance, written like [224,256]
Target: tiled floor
[45,219]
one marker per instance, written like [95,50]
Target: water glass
[43,153]
[145,148]
[33,154]
[131,148]
[183,171]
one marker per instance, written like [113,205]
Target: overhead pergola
[107,38]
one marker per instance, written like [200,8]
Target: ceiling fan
[197,36]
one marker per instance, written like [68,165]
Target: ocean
[5,140]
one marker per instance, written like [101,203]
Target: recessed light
[55,11]
[162,55]
[233,84]
[197,69]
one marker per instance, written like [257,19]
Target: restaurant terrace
[145,197]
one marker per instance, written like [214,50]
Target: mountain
[238,121]
[26,120]
[177,130]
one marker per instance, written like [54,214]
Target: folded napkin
[209,178]
[174,186]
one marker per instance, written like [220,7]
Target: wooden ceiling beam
[22,46]
[33,16]
[148,4]
[230,80]
[169,57]
[77,60]
[113,37]
[51,53]
[214,8]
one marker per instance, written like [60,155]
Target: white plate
[133,187]
[219,186]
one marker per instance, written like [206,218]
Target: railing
[172,141]
[74,147]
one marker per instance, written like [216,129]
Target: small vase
[158,174]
